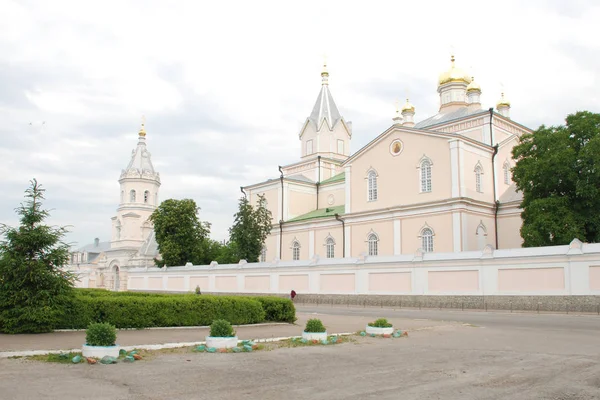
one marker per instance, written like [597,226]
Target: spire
[142,132]
[325,74]
[408,114]
[397,119]
[140,164]
[325,108]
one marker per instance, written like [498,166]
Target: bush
[221,328]
[380,323]
[278,309]
[100,334]
[314,326]
[139,311]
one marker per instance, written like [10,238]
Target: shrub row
[277,309]
[144,310]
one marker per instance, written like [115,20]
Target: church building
[439,185]
[133,243]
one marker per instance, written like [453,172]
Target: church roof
[442,118]
[94,248]
[150,246]
[325,109]
[337,178]
[320,213]
[140,158]
[511,194]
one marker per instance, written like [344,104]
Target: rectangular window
[309,147]
[340,148]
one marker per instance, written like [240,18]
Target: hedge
[144,310]
[278,309]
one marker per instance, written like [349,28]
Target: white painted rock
[379,331]
[100,351]
[221,342]
[314,335]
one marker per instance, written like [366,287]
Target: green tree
[180,235]
[250,229]
[558,171]
[34,289]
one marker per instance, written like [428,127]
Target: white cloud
[225,86]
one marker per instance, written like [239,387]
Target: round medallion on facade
[396,147]
[330,199]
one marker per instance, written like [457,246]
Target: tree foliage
[34,288]
[558,172]
[250,229]
[180,234]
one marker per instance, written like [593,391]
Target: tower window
[340,146]
[132,196]
[478,185]
[372,186]
[146,196]
[372,240]
[309,147]
[426,176]
[506,168]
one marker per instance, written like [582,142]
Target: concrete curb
[26,353]
[179,327]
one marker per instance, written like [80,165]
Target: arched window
[373,239]
[263,254]
[295,250]
[146,196]
[506,168]
[478,185]
[427,240]
[372,185]
[481,234]
[330,245]
[132,196]
[426,176]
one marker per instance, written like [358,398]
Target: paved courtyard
[448,355]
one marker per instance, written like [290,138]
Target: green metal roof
[337,178]
[320,213]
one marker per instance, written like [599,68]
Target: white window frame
[372,244]
[146,196]
[295,250]
[506,168]
[132,196]
[424,168]
[478,177]
[340,146]
[427,239]
[263,254]
[309,147]
[372,191]
[329,247]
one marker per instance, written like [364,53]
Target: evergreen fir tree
[34,289]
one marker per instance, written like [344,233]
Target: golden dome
[408,107]
[473,86]
[454,75]
[502,102]
[142,132]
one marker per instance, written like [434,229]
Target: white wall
[558,270]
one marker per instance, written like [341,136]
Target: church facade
[132,241]
[440,185]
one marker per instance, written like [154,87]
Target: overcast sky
[225,86]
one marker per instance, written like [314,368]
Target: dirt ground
[439,360]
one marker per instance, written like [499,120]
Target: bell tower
[139,184]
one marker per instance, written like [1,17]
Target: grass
[60,358]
